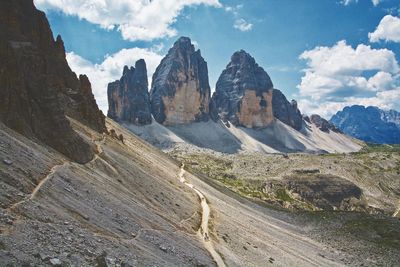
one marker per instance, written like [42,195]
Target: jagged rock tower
[245,96]
[180,91]
[128,98]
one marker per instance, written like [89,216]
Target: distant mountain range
[369,124]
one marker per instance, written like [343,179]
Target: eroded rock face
[128,98]
[243,93]
[180,90]
[256,111]
[285,111]
[37,87]
[323,124]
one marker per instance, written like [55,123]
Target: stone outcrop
[128,98]
[245,96]
[323,124]
[243,93]
[37,87]
[285,111]
[180,90]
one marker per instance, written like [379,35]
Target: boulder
[128,98]
[180,92]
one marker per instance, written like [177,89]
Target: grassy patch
[370,148]
[380,231]
[282,194]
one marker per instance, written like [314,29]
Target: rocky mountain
[245,96]
[390,116]
[285,111]
[37,87]
[369,124]
[128,98]
[180,91]
[322,123]
[245,113]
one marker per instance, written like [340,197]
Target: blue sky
[285,37]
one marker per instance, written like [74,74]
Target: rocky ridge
[323,124]
[245,96]
[37,86]
[369,124]
[128,98]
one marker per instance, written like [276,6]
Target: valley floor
[128,207]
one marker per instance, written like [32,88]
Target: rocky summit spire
[244,92]
[37,87]
[180,90]
[245,96]
[128,98]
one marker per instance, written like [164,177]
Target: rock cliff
[180,91]
[287,112]
[128,98]
[323,124]
[244,93]
[245,96]
[37,87]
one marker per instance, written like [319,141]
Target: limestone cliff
[245,96]
[180,91]
[244,93]
[287,112]
[37,87]
[128,98]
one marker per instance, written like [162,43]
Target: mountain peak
[369,124]
[128,98]
[180,90]
[184,43]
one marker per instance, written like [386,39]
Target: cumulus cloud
[111,69]
[341,75]
[341,71]
[242,25]
[387,30]
[385,100]
[135,19]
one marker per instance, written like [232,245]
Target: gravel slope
[276,138]
[128,204]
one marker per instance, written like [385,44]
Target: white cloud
[376,2]
[341,71]
[347,2]
[387,30]
[242,25]
[385,100]
[340,76]
[111,69]
[135,19]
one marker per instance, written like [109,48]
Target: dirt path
[53,170]
[35,191]
[397,210]
[203,232]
